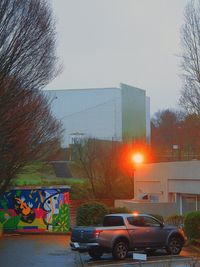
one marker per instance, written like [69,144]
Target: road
[54,250]
[37,250]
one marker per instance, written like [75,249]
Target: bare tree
[101,163]
[28,63]
[190,40]
[166,131]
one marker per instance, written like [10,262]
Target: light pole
[137,158]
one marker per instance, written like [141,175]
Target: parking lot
[54,250]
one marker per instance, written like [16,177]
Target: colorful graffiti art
[35,210]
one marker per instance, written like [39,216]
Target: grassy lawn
[39,174]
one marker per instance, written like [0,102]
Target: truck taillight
[96,233]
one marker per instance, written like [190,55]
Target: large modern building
[119,113]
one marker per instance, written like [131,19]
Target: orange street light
[137,158]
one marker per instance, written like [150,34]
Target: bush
[91,213]
[119,210]
[176,219]
[192,225]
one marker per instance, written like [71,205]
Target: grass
[39,174]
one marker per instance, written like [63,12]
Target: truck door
[145,231]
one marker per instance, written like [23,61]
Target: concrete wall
[168,177]
[35,210]
[164,209]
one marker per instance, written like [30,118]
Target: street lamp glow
[137,158]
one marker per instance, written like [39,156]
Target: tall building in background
[119,113]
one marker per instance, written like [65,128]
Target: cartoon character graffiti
[24,210]
[51,206]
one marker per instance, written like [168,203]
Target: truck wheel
[120,250]
[95,253]
[174,245]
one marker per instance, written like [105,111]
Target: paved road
[37,250]
[53,250]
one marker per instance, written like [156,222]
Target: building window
[188,204]
[154,198]
[172,197]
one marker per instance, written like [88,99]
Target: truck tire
[120,250]
[95,253]
[174,245]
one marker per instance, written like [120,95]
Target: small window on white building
[188,204]
[154,198]
[172,197]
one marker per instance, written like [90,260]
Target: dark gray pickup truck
[121,233]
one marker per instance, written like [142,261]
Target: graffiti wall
[35,210]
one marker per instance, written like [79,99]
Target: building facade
[119,113]
[170,182]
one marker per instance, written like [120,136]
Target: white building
[119,113]
[172,182]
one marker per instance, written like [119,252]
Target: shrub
[119,210]
[176,219]
[91,213]
[192,225]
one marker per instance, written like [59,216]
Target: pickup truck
[122,233]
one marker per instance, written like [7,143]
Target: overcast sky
[102,43]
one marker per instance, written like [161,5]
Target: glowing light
[137,158]
[135,213]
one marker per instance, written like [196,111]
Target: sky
[102,43]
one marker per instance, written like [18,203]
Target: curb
[32,233]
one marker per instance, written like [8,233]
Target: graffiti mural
[35,210]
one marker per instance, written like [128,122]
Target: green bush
[119,210]
[192,225]
[91,213]
[176,219]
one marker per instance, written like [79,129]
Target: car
[122,233]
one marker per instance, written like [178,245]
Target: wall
[35,210]
[164,209]
[133,112]
[94,112]
[168,177]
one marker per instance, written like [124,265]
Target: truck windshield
[113,221]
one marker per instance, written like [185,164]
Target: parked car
[121,233]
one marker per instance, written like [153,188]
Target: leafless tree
[28,63]
[101,162]
[190,40]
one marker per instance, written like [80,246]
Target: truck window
[113,221]
[143,221]
[136,221]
